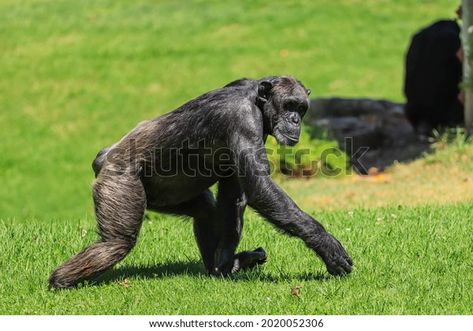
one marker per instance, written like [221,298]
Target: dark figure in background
[234,120]
[433,75]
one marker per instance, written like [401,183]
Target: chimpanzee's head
[284,101]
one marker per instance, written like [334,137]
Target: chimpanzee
[432,78]
[168,164]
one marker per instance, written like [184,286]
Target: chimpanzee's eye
[291,105]
[302,108]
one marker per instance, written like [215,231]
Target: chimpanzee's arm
[269,200]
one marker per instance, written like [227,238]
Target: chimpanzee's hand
[336,259]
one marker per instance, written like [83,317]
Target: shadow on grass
[196,269]
[164,270]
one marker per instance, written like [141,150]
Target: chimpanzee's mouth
[285,139]
[292,139]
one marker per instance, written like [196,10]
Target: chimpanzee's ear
[264,89]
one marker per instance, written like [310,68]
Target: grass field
[408,261]
[77,75]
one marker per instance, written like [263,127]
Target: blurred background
[76,76]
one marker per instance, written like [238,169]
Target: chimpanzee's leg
[209,231]
[202,209]
[120,203]
[231,204]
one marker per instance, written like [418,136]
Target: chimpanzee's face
[288,101]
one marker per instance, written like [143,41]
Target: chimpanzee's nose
[295,119]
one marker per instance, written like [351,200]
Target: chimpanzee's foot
[240,261]
[248,259]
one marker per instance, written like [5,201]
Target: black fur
[167,165]
[433,75]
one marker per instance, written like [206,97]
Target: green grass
[407,261]
[77,75]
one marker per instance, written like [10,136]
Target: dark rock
[379,126]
